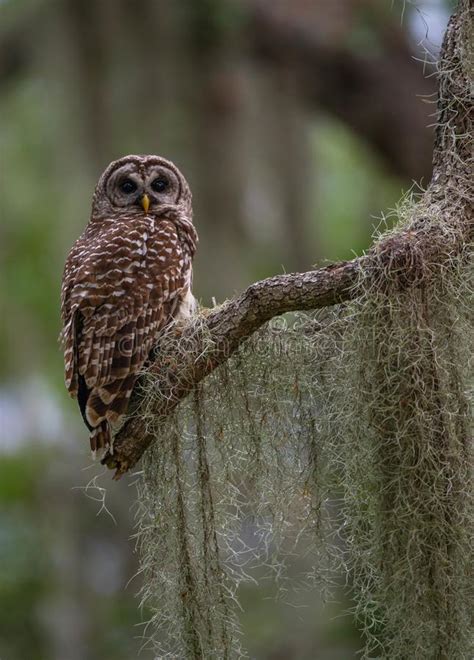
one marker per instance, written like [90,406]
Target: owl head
[140,184]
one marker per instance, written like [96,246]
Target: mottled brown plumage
[126,278]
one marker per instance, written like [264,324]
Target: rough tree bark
[222,330]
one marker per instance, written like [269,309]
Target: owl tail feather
[100,437]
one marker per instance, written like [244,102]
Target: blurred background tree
[295,122]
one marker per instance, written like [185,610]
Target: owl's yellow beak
[145,202]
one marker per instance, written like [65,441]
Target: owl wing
[119,292]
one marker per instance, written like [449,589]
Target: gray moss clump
[235,481]
[342,435]
[403,431]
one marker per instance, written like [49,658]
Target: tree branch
[401,260]
[224,329]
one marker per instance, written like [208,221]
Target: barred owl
[125,279]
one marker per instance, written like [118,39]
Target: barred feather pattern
[125,279]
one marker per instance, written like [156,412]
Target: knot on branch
[398,263]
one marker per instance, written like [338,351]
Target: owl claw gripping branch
[126,278]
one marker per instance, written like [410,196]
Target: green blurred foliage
[345,221]
[24,568]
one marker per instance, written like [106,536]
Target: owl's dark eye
[160,184]
[128,186]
